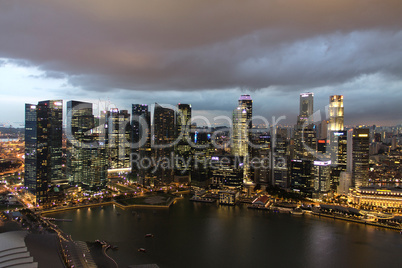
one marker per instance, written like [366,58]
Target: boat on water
[149,235]
[297,211]
[143,250]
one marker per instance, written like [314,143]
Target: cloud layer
[270,47]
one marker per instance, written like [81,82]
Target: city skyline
[134,51]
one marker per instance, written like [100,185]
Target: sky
[206,53]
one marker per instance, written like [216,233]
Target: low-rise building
[377,197]
[228,197]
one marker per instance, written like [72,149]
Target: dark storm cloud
[208,52]
[185,45]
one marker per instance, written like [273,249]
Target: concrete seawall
[356,221]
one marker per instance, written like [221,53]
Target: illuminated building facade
[302,176]
[306,108]
[86,152]
[335,111]
[377,197]
[163,136]
[305,131]
[361,148]
[322,175]
[44,165]
[228,197]
[30,147]
[227,171]
[280,159]
[118,137]
[260,157]
[141,142]
[201,151]
[338,147]
[183,147]
[242,123]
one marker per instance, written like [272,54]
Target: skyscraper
[183,121]
[322,176]
[338,147]
[43,147]
[163,136]
[306,107]
[302,176]
[335,113]
[183,148]
[140,123]
[141,142]
[305,131]
[31,144]
[242,124]
[361,147]
[86,154]
[118,137]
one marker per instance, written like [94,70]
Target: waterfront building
[31,144]
[302,176]
[377,197]
[227,171]
[44,147]
[262,201]
[201,151]
[86,161]
[228,197]
[322,175]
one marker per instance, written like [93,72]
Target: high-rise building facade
[335,111]
[163,137]
[141,142]
[44,165]
[242,124]
[183,147]
[306,107]
[86,152]
[118,138]
[302,176]
[242,116]
[322,177]
[305,131]
[338,153]
[141,125]
[361,148]
[31,144]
